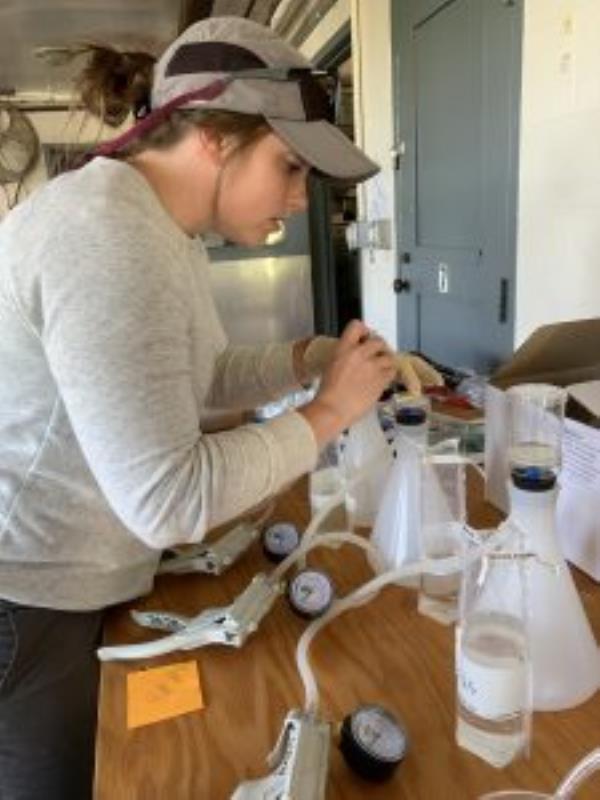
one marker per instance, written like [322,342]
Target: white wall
[558,255]
[374,126]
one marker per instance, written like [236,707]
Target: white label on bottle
[492,690]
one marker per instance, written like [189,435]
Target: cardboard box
[564,354]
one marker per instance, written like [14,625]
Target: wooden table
[384,652]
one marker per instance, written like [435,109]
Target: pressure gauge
[310,593]
[279,540]
[373,742]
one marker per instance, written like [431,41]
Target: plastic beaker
[326,481]
[442,517]
[536,413]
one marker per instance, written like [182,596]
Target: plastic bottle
[492,656]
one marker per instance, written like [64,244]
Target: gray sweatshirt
[110,349]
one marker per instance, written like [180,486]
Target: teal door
[457,79]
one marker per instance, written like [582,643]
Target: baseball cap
[235,64]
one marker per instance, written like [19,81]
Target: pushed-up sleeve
[116,332]
[249,376]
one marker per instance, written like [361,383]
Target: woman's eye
[293,167]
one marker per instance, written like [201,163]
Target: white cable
[579,773]
[325,540]
[437,566]
[360,596]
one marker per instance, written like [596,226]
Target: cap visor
[326,148]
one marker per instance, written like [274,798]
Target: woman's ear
[215,146]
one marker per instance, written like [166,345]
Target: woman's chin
[252,239]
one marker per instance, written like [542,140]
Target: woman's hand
[361,367]
[312,358]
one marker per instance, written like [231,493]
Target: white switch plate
[443,278]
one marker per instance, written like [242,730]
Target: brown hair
[114,83]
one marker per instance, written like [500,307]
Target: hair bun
[114,82]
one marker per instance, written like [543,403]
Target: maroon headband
[156,117]
[316,100]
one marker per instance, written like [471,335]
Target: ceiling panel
[230,8]
[26,24]
[147,25]
[262,10]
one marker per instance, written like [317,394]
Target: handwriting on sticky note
[162,693]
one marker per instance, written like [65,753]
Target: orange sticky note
[162,692]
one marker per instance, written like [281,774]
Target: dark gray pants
[49,677]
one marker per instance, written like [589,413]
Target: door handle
[401,285]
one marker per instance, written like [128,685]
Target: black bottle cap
[279,540]
[411,415]
[373,742]
[310,593]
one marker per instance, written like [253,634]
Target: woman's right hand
[362,367]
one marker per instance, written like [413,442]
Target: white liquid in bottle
[492,688]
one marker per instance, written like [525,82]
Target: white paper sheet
[581,456]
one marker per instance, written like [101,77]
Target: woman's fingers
[354,333]
[374,346]
[413,371]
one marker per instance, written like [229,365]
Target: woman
[110,348]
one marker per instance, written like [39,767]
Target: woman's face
[259,185]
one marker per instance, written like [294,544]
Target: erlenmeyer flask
[565,659]
[365,443]
[396,532]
